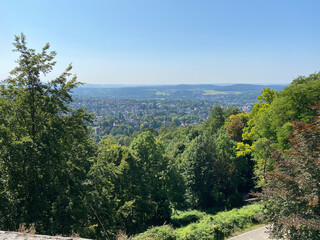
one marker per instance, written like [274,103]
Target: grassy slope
[193,225]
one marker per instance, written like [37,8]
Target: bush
[221,225]
[236,219]
[165,232]
[183,218]
[292,191]
[208,227]
[201,230]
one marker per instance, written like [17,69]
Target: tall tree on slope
[44,146]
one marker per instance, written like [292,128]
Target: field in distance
[247,92]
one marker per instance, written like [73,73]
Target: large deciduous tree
[198,160]
[148,180]
[270,120]
[130,187]
[292,191]
[44,146]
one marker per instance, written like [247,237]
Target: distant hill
[245,93]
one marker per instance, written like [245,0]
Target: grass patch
[205,226]
[165,232]
[221,225]
[183,218]
[162,93]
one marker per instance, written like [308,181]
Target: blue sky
[169,41]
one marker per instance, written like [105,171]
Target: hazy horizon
[169,42]
[187,84]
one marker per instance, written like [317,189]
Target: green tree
[232,174]
[198,160]
[263,150]
[258,125]
[44,146]
[270,127]
[292,191]
[130,186]
[149,178]
[215,121]
[105,192]
[175,122]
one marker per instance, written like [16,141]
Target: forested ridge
[56,176]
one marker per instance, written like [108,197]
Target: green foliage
[221,225]
[53,175]
[197,163]
[292,190]
[183,218]
[263,161]
[175,122]
[258,116]
[146,177]
[44,147]
[267,95]
[201,230]
[215,121]
[175,185]
[269,126]
[130,187]
[165,232]
[214,174]
[102,195]
[243,149]
[207,226]
[232,174]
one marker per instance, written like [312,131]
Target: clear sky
[169,41]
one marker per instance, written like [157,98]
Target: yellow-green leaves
[243,149]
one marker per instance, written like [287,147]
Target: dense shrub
[201,230]
[209,227]
[292,191]
[165,232]
[183,218]
[220,225]
[228,222]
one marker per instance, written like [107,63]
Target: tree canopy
[292,190]
[44,145]
[55,176]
